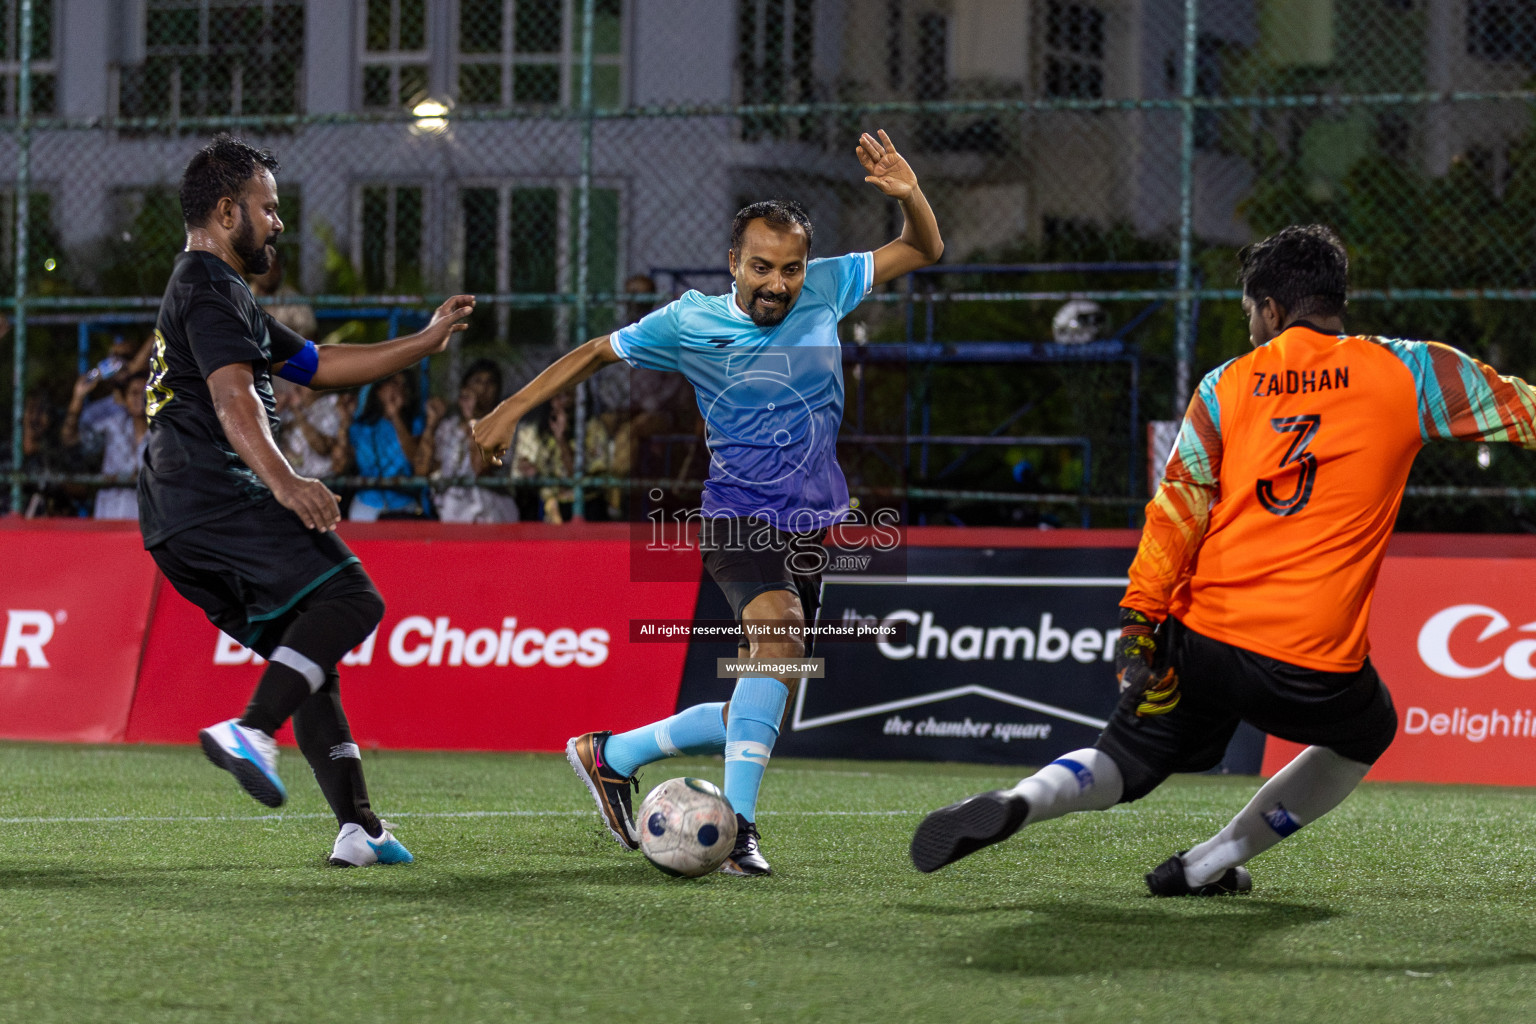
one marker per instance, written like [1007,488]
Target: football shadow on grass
[1073,938]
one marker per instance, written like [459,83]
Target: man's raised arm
[493,432]
[351,366]
[920,244]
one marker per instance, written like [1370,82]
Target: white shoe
[355,848]
[250,755]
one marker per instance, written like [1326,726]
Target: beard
[768,316]
[256,257]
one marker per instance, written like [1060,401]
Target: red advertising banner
[75,605]
[516,637]
[1453,635]
[494,638]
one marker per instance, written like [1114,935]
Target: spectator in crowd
[384,439]
[298,317]
[110,434]
[314,428]
[448,450]
[661,406]
[43,454]
[549,449]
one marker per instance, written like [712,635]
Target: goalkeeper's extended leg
[1309,787]
[1084,780]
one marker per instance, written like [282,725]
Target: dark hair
[373,408]
[222,168]
[489,366]
[782,213]
[1304,268]
[123,381]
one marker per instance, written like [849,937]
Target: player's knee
[370,607]
[1372,742]
[352,593]
[1137,779]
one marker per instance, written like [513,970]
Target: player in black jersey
[229,522]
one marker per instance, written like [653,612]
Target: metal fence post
[583,247]
[22,209]
[1184,342]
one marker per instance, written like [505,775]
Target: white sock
[1084,780]
[1309,787]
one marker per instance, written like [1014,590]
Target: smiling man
[766,366]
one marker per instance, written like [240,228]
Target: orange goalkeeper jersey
[1282,489]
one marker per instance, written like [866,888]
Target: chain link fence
[1094,165]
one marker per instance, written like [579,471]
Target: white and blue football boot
[250,755]
[355,848]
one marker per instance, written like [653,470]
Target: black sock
[320,726]
[336,617]
[278,695]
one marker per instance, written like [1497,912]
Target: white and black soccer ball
[687,827]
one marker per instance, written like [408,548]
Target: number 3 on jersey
[1304,428]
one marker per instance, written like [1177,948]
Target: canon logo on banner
[1435,644]
[418,640]
[26,633]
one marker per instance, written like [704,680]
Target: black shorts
[748,557]
[1350,713]
[248,569]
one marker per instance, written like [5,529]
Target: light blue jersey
[772,398]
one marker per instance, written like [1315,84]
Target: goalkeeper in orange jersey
[1251,588]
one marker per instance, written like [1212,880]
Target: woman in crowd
[384,441]
[548,448]
[448,450]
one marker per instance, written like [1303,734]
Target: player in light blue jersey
[766,366]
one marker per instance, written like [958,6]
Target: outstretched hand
[885,168]
[493,432]
[450,318]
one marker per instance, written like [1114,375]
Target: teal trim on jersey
[1207,392]
[1434,419]
[1481,402]
[304,592]
[1191,451]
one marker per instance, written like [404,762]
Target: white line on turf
[204,818]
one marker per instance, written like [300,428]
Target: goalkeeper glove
[1137,665]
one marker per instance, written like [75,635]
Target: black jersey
[208,319]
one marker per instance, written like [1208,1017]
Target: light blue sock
[698,730]
[757,706]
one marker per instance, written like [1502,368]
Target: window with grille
[1074,51]
[774,49]
[521,237]
[521,53]
[389,237]
[395,59]
[42,55]
[216,58]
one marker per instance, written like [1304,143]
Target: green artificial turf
[139,884]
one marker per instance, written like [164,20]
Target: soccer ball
[687,827]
